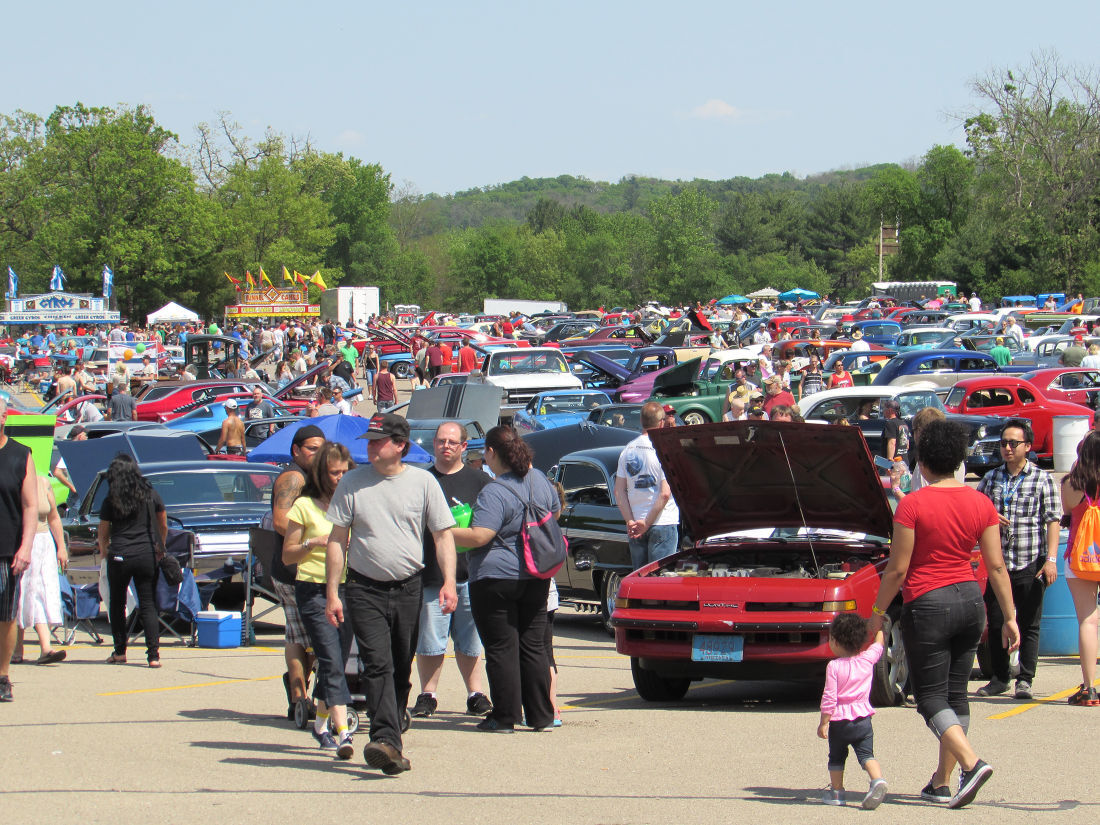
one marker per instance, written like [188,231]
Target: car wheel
[401,369]
[695,417]
[610,589]
[891,675]
[655,688]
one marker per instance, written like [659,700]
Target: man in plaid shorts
[18,521]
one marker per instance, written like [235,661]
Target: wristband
[878,611]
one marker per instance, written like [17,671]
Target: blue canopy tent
[734,299]
[798,294]
[345,429]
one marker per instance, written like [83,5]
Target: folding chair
[79,610]
[176,603]
[263,545]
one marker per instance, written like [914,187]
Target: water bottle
[1014,662]
[900,474]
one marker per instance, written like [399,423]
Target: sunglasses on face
[1011,443]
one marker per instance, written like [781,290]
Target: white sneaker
[875,794]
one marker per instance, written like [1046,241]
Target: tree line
[1014,211]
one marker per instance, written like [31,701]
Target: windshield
[527,362]
[955,397]
[571,402]
[913,402]
[220,487]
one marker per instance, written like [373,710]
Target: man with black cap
[288,486]
[380,512]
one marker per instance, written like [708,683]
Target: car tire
[401,369]
[890,680]
[655,688]
[695,417]
[609,589]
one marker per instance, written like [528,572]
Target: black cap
[387,425]
[305,433]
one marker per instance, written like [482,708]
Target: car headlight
[845,606]
[623,603]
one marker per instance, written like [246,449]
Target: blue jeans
[656,543]
[435,627]
[331,645]
[941,631]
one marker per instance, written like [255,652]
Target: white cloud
[350,137]
[715,109]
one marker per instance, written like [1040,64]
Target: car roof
[607,456]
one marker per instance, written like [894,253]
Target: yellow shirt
[314,525]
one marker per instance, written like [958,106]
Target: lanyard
[1007,494]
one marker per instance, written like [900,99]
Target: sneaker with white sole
[1023,689]
[424,706]
[940,795]
[346,748]
[995,688]
[831,797]
[325,739]
[875,794]
[969,783]
[479,705]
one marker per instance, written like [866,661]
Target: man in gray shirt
[380,513]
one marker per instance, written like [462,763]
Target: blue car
[211,415]
[558,408]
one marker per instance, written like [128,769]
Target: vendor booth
[271,302]
[59,309]
[172,313]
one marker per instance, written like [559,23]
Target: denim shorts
[435,627]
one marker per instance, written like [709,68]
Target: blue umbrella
[345,429]
[798,293]
[734,299]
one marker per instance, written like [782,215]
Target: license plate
[717,648]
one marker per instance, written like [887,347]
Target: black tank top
[13,469]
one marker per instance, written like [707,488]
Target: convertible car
[789,526]
[549,410]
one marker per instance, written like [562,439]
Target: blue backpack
[545,549]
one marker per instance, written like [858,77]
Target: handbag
[169,565]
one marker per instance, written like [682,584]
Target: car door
[592,524]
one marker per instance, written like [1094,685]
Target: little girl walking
[846,708]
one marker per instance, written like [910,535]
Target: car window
[955,397]
[974,365]
[570,402]
[1026,396]
[913,402]
[629,418]
[584,484]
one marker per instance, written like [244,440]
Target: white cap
[231,404]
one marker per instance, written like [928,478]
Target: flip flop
[52,657]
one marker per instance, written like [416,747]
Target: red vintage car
[634,336]
[813,525]
[1080,386]
[1010,396]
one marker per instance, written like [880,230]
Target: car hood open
[746,474]
[676,376]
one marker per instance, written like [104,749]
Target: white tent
[766,292]
[171,312]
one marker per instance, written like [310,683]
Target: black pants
[142,570]
[331,645]
[941,631]
[1027,594]
[857,733]
[511,619]
[386,623]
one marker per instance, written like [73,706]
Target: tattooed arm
[288,486]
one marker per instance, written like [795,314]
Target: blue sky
[450,96]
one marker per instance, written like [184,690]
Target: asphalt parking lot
[204,740]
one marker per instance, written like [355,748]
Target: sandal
[52,657]
[116,659]
[1085,697]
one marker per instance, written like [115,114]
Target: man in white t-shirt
[975,302]
[644,497]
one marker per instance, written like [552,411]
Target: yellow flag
[318,281]
[263,277]
[249,280]
[286,276]
[299,277]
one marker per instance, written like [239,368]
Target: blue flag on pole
[57,282]
[13,284]
[108,281]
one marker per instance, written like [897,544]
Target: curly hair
[510,449]
[318,484]
[942,446]
[127,489]
[849,631]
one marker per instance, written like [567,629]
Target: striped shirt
[1031,502]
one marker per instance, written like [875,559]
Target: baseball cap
[773,379]
[231,404]
[387,425]
[669,409]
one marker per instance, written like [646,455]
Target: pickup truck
[523,373]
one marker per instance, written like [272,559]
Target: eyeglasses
[449,442]
[1011,443]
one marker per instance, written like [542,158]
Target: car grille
[987,447]
[522,396]
[660,604]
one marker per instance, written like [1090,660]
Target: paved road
[201,740]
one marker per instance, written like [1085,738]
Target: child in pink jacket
[846,708]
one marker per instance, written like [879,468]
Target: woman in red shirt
[840,377]
[943,615]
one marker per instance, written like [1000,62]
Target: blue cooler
[1058,629]
[219,628]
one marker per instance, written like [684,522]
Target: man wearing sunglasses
[1030,508]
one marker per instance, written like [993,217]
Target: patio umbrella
[766,292]
[346,429]
[734,299]
[798,294]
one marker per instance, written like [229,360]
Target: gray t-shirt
[499,510]
[388,517]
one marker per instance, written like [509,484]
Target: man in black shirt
[461,485]
[122,406]
[18,522]
[895,432]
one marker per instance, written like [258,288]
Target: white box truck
[502,306]
[357,303]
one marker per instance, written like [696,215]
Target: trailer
[914,290]
[350,303]
[503,306]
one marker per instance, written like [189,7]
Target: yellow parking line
[1016,711]
[188,687]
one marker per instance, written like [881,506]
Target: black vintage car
[598,553]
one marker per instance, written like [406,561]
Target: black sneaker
[969,783]
[491,725]
[940,795]
[995,688]
[5,689]
[425,706]
[479,705]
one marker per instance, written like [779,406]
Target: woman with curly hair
[127,519]
[508,603]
